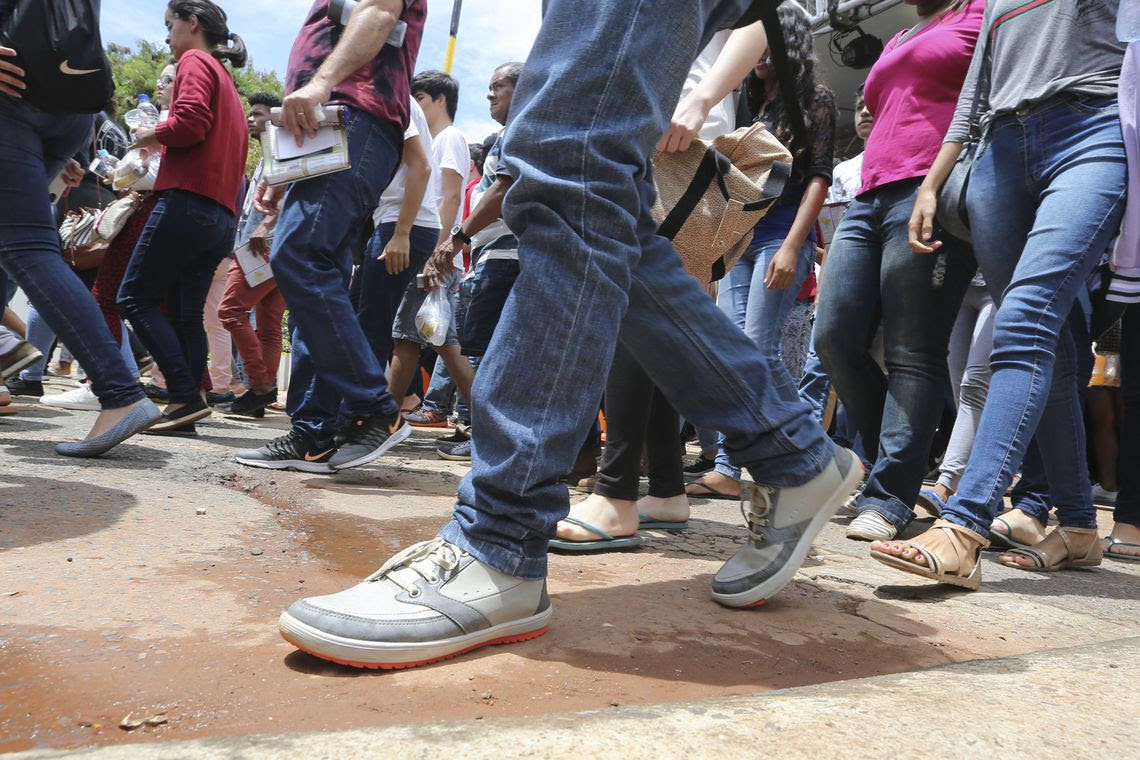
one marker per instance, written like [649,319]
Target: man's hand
[397,253]
[267,198]
[442,261]
[782,271]
[73,174]
[11,75]
[262,236]
[299,111]
[144,138]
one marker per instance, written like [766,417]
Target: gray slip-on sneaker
[430,602]
[782,523]
[137,420]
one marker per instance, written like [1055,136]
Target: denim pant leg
[815,386]
[311,405]
[761,312]
[1128,500]
[173,263]
[437,397]
[311,259]
[1031,492]
[970,346]
[40,335]
[919,299]
[589,252]
[847,316]
[33,149]
[1038,234]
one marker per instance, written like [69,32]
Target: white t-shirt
[847,178]
[722,117]
[393,196]
[450,151]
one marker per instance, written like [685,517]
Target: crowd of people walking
[958,355]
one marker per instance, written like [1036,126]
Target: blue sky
[491,32]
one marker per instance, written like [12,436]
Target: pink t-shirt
[912,92]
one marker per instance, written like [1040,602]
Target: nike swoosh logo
[65,67]
[318,457]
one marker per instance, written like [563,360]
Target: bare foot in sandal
[1016,528]
[714,485]
[1123,542]
[617,517]
[1062,548]
[947,553]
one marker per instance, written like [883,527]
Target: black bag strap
[985,81]
[778,49]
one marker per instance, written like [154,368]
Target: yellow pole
[449,59]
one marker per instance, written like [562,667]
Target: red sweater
[205,137]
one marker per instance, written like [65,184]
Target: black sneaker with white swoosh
[292,451]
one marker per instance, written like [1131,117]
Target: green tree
[136,72]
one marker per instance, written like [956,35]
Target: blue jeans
[379,294]
[815,385]
[1046,197]
[312,261]
[593,271]
[40,335]
[873,274]
[33,150]
[761,313]
[184,240]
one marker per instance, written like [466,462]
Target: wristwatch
[457,232]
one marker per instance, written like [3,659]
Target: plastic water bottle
[132,168]
[104,164]
[1128,21]
[143,117]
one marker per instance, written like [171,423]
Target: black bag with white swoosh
[58,45]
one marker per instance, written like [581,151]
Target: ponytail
[224,44]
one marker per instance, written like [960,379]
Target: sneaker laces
[425,559]
[757,511]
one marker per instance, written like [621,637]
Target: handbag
[710,196]
[113,219]
[951,213]
[82,248]
[59,47]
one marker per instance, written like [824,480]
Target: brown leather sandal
[944,540]
[1062,548]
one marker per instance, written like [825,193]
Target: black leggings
[1128,500]
[638,417]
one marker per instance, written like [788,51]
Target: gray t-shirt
[1040,50]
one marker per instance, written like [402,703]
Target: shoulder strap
[779,52]
[985,77]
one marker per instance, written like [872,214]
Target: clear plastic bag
[434,317]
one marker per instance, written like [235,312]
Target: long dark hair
[224,45]
[801,60]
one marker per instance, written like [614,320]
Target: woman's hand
[11,76]
[782,271]
[687,122]
[144,138]
[262,236]
[397,253]
[921,228]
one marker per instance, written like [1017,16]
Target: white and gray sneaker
[81,399]
[430,602]
[782,523]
